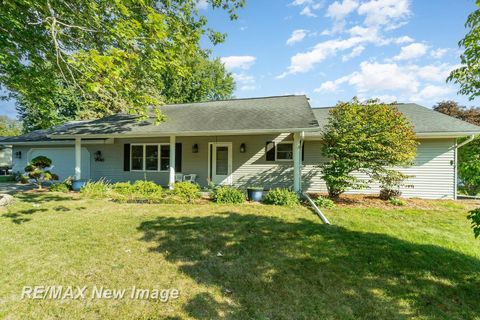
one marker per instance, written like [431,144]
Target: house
[268,142]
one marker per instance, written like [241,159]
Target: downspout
[316,209]
[457,146]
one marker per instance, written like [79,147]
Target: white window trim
[276,151]
[144,156]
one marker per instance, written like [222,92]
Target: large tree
[89,58]
[368,137]
[469,154]
[9,127]
[468,74]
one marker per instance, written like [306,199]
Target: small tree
[37,170]
[469,167]
[365,137]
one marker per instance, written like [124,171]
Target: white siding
[433,170]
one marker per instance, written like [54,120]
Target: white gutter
[457,146]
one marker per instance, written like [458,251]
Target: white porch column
[297,163]
[171,180]
[78,158]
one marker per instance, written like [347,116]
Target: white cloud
[412,51]
[327,86]
[404,39]
[244,81]
[438,53]
[432,93]
[384,12]
[307,12]
[238,62]
[297,36]
[339,10]
[202,4]
[355,53]
[301,2]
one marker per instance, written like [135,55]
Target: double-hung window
[284,151]
[150,157]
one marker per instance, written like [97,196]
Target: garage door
[63,161]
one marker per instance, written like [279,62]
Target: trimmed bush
[142,187]
[123,188]
[59,187]
[95,189]
[186,191]
[227,194]
[281,197]
[322,202]
[397,202]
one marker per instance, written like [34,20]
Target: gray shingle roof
[269,114]
[38,135]
[424,120]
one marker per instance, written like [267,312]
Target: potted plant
[255,194]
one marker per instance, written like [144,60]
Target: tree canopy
[9,127]
[468,74]
[368,137]
[90,58]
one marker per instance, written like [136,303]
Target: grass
[7,179]
[240,262]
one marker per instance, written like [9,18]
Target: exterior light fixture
[195,148]
[98,156]
[243,148]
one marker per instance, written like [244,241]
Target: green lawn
[240,262]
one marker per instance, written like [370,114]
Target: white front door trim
[212,162]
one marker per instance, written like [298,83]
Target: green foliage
[390,183]
[36,170]
[323,202]
[59,187]
[123,188]
[96,189]
[468,73]
[364,137]
[474,217]
[469,167]
[82,59]
[453,109]
[187,191]
[226,194]
[281,197]
[9,127]
[397,202]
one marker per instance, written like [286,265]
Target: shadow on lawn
[21,216]
[42,197]
[274,269]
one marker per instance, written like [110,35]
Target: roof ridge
[237,99]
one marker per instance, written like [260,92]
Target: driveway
[13,187]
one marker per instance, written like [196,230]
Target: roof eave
[186,133]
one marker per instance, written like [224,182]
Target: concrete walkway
[13,187]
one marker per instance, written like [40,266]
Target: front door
[220,162]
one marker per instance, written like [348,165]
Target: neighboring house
[268,142]
[5,157]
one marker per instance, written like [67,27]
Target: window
[150,157]
[284,151]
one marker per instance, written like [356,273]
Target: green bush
[123,188]
[96,189]
[59,187]
[323,202]
[227,194]
[474,217]
[186,191]
[142,187]
[281,197]
[397,202]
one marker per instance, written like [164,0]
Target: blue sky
[333,50]
[398,50]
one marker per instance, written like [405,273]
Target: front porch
[238,160]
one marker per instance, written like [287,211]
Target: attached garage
[63,160]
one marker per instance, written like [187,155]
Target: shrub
[397,202]
[187,191]
[123,188]
[95,189]
[474,216]
[59,187]
[390,183]
[322,202]
[281,197]
[227,194]
[142,187]
[37,170]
